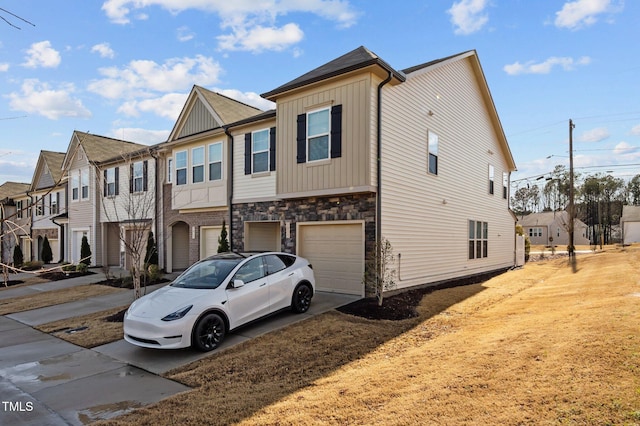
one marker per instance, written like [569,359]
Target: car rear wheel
[301,298]
[208,332]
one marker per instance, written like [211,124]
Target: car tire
[208,332]
[301,299]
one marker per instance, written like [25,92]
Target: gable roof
[98,148]
[53,161]
[472,56]
[548,218]
[222,110]
[12,189]
[352,61]
[631,213]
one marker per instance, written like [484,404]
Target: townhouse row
[354,151]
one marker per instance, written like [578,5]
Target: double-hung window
[197,165]
[111,182]
[535,232]
[215,161]
[39,206]
[318,132]
[84,184]
[505,185]
[491,179]
[53,202]
[260,151]
[432,152]
[181,168]
[478,239]
[138,176]
[169,170]
[19,208]
[75,186]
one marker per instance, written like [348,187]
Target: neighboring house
[441,149]
[129,206]
[630,223]
[197,176]
[552,228]
[48,193]
[10,230]
[22,223]
[82,166]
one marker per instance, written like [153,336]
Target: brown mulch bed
[59,275]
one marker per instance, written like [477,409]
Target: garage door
[209,240]
[336,252]
[262,236]
[55,250]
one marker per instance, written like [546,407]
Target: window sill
[323,162]
[260,174]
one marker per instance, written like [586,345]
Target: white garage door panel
[337,255]
[263,236]
[209,237]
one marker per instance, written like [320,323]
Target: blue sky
[123,68]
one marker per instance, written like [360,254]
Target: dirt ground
[538,345]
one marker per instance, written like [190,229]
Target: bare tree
[131,208]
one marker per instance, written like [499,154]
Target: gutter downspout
[155,207]
[230,187]
[379,162]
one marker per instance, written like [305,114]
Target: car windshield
[207,274]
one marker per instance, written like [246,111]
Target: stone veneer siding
[315,209]
[171,217]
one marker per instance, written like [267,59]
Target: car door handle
[291,274]
[263,284]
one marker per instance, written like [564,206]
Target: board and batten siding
[251,187]
[199,120]
[424,216]
[346,173]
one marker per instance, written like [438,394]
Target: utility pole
[571,248]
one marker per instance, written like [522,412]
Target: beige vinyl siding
[83,214]
[255,186]
[424,216]
[126,205]
[347,173]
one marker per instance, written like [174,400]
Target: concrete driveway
[47,381]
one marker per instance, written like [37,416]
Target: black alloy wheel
[208,332]
[301,298]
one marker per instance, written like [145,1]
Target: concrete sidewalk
[45,380]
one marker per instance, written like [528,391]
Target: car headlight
[177,314]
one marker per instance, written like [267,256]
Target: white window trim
[139,178]
[111,182]
[75,184]
[254,152]
[186,167]
[492,180]
[210,162]
[169,171]
[328,134]
[433,145]
[82,184]
[193,164]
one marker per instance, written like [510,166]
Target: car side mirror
[238,283]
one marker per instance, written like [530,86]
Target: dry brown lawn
[538,345]
[87,331]
[54,297]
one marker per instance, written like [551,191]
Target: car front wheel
[301,298]
[208,332]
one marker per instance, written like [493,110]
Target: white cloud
[41,54]
[143,136]
[4,67]
[261,38]
[167,106]
[581,13]
[144,78]
[594,135]
[247,19]
[39,98]
[545,67]
[185,34]
[468,16]
[635,130]
[104,50]
[623,148]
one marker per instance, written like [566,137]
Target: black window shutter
[117,181]
[58,202]
[145,180]
[131,179]
[272,149]
[336,131]
[247,153]
[105,183]
[301,138]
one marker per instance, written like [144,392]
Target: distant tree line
[598,199]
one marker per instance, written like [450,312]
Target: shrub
[151,256]
[153,272]
[47,254]
[32,266]
[82,267]
[223,241]
[18,257]
[85,251]
[68,267]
